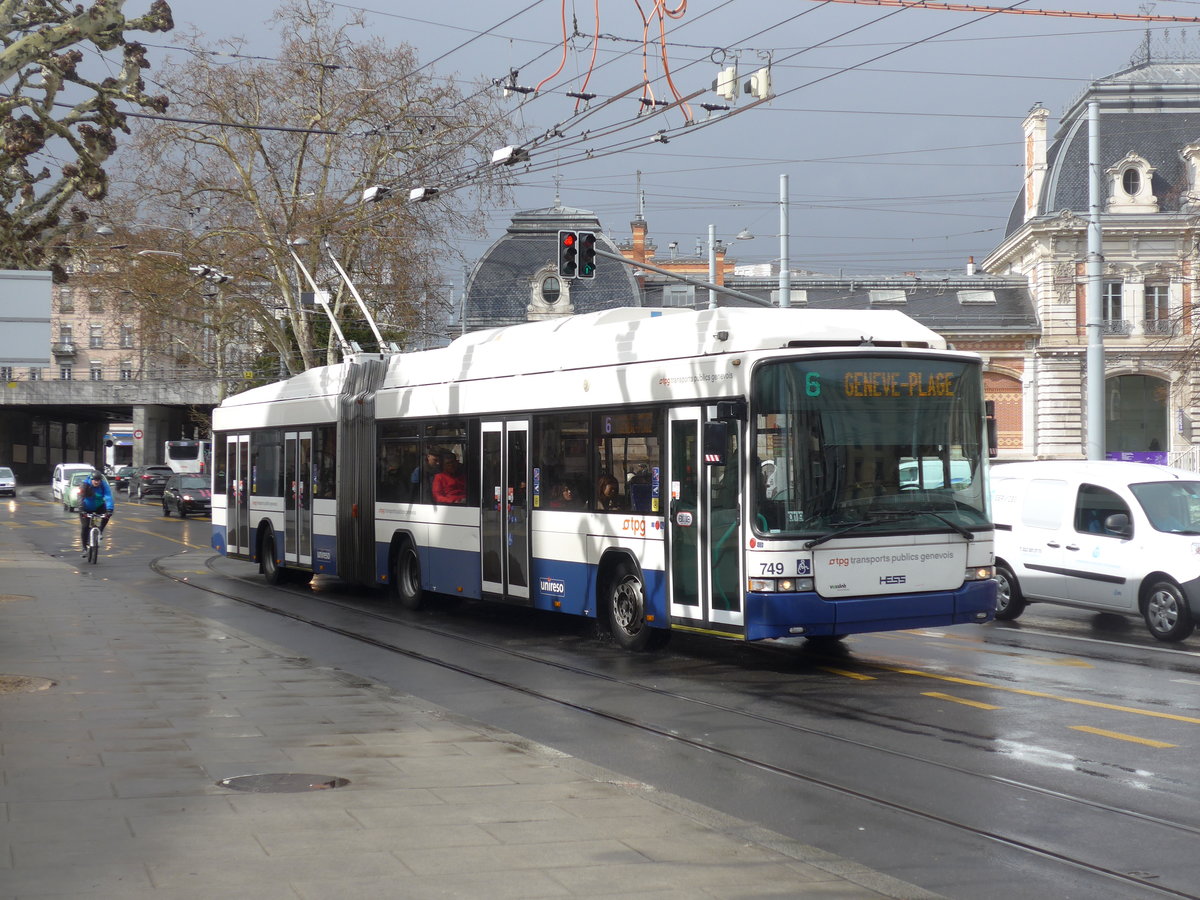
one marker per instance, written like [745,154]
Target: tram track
[1142,880]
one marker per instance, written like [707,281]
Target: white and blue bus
[188,457]
[746,473]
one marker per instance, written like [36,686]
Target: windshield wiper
[837,531]
[961,529]
[897,516]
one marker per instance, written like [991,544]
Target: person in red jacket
[450,485]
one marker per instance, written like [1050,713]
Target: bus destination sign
[899,384]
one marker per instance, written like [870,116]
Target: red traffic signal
[568,254]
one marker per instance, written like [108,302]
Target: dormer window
[1130,184]
[549,295]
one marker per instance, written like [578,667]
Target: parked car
[1117,537]
[187,494]
[62,477]
[120,478]
[148,480]
[8,481]
[71,494]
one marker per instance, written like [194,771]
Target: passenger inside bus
[567,497]
[450,485]
[425,473]
[608,494]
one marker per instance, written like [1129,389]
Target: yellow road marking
[975,703]
[1116,735]
[1153,714]
[857,676]
[1070,662]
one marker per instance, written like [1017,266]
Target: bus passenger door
[237,510]
[704,526]
[504,509]
[297,503]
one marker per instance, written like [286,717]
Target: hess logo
[893,579]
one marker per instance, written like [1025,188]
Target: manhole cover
[283,783]
[19,684]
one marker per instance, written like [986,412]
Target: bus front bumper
[776,615]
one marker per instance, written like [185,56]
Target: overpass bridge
[43,423]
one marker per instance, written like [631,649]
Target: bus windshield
[869,444]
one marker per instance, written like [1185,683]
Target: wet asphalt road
[1051,757]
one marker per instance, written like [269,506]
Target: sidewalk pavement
[120,716]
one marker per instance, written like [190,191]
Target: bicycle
[93,544]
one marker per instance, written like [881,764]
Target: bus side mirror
[716,439]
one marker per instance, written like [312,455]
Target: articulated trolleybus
[745,473]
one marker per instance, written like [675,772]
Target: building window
[127,337]
[551,290]
[1158,309]
[96,337]
[66,373]
[678,295]
[66,301]
[65,334]
[96,372]
[6,373]
[1131,181]
[35,374]
[1114,323]
[126,370]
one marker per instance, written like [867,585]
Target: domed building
[516,280]
[1149,156]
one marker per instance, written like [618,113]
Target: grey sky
[907,163]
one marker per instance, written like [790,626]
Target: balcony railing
[1159,326]
[1117,326]
[63,348]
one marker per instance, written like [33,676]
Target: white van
[61,479]
[1119,537]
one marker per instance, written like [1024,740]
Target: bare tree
[266,157]
[55,138]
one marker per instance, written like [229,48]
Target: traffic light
[568,254]
[587,254]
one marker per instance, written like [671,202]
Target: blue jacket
[93,499]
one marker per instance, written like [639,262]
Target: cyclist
[94,496]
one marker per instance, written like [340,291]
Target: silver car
[8,482]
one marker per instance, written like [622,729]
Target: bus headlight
[980,573]
[781,585]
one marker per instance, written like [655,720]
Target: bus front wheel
[407,578]
[627,612]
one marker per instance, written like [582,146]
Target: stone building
[1149,157]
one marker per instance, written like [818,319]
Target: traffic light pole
[720,289]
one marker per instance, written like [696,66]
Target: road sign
[137,434]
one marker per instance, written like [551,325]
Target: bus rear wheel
[407,578]
[272,571]
[627,612]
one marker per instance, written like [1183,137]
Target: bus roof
[618,336]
